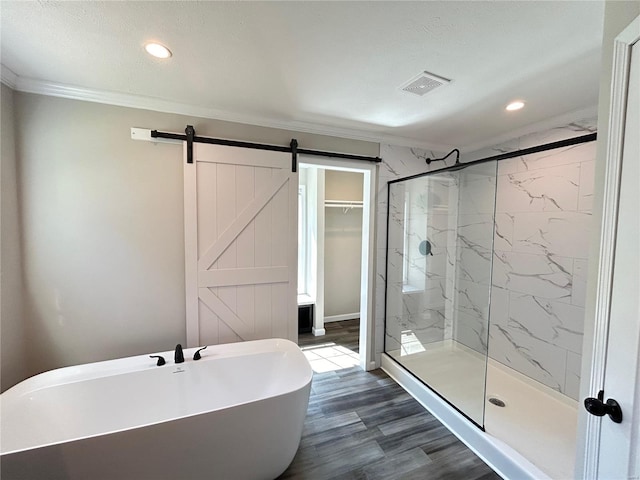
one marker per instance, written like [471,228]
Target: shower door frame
[456,166]
[508,462]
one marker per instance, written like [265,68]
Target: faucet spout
[178,356]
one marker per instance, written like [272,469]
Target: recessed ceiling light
[513,106]
[157,50]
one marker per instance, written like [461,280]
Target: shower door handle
[596,406]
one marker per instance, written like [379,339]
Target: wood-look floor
[345,333]
[362,425]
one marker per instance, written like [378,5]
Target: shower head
[449,172]
[442,159]
[457,166]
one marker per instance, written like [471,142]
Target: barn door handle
[596,406]
[294,155]
[190,132]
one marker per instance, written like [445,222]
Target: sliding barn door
[240,245]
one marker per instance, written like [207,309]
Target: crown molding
[41,87]
[8,77]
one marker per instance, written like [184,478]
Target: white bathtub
[235,414]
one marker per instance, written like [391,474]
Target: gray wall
[102,226]
[342,244]
[13,356]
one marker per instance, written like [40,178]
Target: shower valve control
[599,408]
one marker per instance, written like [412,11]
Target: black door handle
[596,406]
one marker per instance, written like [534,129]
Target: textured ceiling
[329,64]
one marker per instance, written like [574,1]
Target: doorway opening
[335,263]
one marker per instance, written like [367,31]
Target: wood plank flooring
[345,333]
[363,426]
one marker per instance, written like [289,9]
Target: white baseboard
[318,332]
[344,316]
[499,456]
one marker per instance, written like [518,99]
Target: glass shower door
[440,238]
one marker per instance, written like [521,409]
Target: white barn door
[240,245]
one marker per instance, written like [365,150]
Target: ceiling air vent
[424,83]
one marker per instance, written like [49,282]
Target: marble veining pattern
[543,204]
[576,128]
[552,189]
[443,295]
[474,242]
[560,233]
[543,275]
[537,245]
[419,288]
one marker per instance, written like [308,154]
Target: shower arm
[457,152]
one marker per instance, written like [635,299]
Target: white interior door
[613,449]
[619,443]
[240,245]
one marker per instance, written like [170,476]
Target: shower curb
[504,460]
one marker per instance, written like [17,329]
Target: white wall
[14,358]
[617,16]
[342,245]
[102,219]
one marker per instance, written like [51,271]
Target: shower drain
[497,402]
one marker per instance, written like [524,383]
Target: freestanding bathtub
[235,414]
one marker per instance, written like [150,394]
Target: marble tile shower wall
[473,250]
[574,129]
[444,295]
[543,216]
[421,286]
[397,162]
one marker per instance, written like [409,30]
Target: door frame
[590,447]
[367,273]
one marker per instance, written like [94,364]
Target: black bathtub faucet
[178,357]
[197,355]
[160,359]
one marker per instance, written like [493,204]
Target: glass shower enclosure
[439,254]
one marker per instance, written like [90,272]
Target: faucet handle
[196,356]
[160,358]
[178,356]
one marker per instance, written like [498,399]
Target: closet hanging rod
[344,205]
[343,202]
[190,137]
